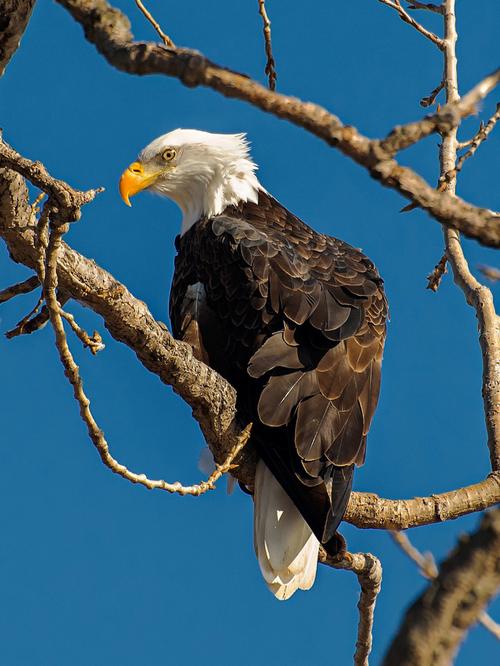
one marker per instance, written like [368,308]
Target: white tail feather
[286,548]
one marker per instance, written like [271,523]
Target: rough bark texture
[436,623]
[14,17]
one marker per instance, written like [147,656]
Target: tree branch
[213,400]
[14,17]
[427,567]
[436,623]
[368,569]
[165,38]
[24,287]
[270,65]
[477,295]
[109,30]
[406,18]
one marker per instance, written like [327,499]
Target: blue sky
[96,571]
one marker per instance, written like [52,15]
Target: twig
[442,121]
[425,562]
[39,321]
[427,567]
[165,38]
[438,9]
[477,140]
[271,64]
[20,288]
[20,326]
[368,569]
[94,343]
[489,623]
[430,99]
[434,278]
[493,274]
[404,16]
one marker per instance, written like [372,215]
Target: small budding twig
[165,38]
[430,99]
[94,343]
[434,278]
[478,138]
[427,567]
[368,569]
[271,64]
[431,7]
[39,321]
[20,326]
[404,16]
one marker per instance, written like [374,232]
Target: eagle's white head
[202,172]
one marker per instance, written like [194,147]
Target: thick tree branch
[211,397]
[14,17]
[109,30]
[438,620]
[427,567]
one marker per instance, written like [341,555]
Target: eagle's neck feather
[221,185]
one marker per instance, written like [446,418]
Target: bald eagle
[295,320]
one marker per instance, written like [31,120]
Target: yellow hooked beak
[133,180]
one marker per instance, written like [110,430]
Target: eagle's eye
[169,154]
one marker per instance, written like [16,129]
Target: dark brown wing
[303,331]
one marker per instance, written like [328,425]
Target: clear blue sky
[96,571]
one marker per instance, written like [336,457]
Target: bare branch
[431,7]
[15,16]
[270,65]
[438,620]
[477,295]
[165,38]
[368,569]
[20,288]
[477,139]
[404,16]
[94,343]
[367,510]
[26,327]
[443,120]
[428,569]
[434,278]
[430,99]
[109,30]
[213,400]
[489,623]
[425,563]
[493,274]
[20,326]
